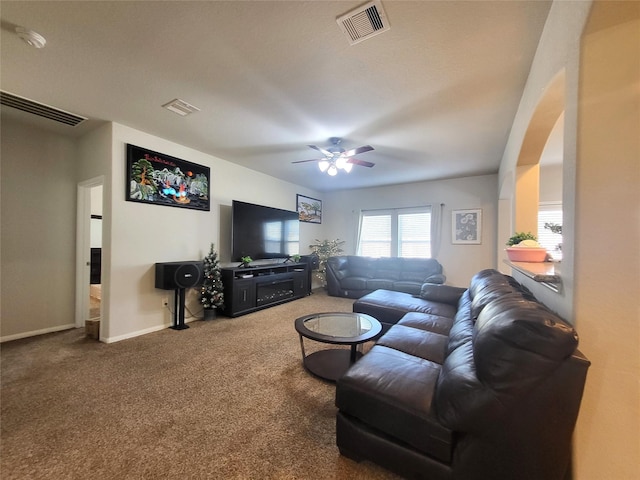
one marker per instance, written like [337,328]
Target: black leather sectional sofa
[353,276]
[481,383]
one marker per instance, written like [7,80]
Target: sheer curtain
[436,229]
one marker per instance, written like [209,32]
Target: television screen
[263,232]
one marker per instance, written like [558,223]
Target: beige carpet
[224,399]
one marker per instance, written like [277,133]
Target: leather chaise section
[393,391]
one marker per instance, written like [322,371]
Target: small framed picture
[466,226]
[309,209]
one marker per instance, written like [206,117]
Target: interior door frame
[83,250]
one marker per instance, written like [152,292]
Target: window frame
[395,241]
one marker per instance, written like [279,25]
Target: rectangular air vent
[39,109]
[180,107]
[364,22]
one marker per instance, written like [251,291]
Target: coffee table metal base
[330,364]
[337,328]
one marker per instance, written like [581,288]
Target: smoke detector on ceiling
[364,22]
[31,38]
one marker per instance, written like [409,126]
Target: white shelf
[545,273]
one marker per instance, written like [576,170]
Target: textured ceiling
[435,95]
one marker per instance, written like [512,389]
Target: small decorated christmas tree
[211,292]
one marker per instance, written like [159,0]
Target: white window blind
[375,234]
[414,234]
[402,232]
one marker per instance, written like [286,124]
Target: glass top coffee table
[338,329]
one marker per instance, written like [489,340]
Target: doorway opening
[89,256]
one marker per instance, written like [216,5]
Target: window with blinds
[550,213]
[404,232]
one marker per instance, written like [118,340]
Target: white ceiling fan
[337,158]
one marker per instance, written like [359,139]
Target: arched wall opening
[526,198]
[519,194]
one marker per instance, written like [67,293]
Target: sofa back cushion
[420,269]
[489,285]
[387,268]
[361,266]
[339,266]
[516,344]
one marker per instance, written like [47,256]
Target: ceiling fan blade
[326,153]
[362,163]
[356,151]
[312,160]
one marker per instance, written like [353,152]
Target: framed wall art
[466,227]
[309,209]
[160,179]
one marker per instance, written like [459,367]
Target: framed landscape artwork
[309,209]
[160,179]
[466,227]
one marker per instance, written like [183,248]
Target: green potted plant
[524,247]
[212,290]
[245,261]
[518,237]
[325,249]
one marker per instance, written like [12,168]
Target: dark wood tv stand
[250,289]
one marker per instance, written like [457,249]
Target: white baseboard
[140,332]
[33,333]
[69,326]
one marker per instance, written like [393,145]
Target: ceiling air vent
[180,107]
[364,22]
[39,109]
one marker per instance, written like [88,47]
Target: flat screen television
[263,232]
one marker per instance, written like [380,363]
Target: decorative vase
[210,314]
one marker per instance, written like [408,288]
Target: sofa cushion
[427,266]
[462,402]
[461,332]
[339,266]
[377,283]
[392,392]
[427,345]
[389,306]
[427,322]
[406,286]
[413,276]
[361,266]
[354,283]
[441,293]
[516,345]
[388,268]
[519,342]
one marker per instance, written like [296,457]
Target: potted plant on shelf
[524,247]
[323,250]
[245,261]
[211,292]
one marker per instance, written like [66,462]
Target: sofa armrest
[441,293]
[437,278]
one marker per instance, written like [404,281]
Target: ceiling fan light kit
[337,158]
[31,38]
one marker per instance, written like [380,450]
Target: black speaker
[175,275]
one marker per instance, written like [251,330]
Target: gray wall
[38,206]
